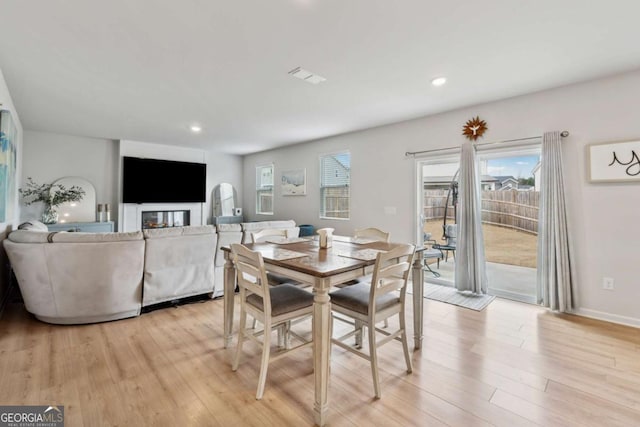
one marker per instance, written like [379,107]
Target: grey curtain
[556,274]
[471,272]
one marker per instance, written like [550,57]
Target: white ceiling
[147,69]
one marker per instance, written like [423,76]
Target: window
[335,185]
[264,189]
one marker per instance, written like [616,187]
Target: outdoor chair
[431,253]
[450,237]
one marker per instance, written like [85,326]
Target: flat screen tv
[162,181]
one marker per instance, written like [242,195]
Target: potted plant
[52,195]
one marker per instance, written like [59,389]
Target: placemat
[363,254]
[283,254]
[285,240]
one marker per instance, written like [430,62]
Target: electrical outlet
[607,283]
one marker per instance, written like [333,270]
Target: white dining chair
[371,303]
[275,307]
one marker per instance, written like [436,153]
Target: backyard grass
[502,245]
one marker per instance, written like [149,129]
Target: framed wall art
[8,164]
[614,161]
[294,182]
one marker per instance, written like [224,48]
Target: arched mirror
[82,211]
[224,200]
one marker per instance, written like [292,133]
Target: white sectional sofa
[70,278]
[178,263]
[73,278]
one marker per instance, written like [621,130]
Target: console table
[85,227]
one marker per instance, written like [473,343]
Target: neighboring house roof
[504,178]
[335,173]
[535,168]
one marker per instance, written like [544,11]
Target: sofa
[75,278]
[72,278]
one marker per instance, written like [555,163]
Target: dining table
[303,260]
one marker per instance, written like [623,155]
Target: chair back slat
[251,274]
[391,272]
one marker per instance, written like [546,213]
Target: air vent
[307,76]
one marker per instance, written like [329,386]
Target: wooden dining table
[304,261]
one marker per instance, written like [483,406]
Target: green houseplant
[52,195]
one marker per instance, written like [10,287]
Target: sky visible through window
[518,167]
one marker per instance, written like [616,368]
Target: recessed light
[196,129]
[439,81]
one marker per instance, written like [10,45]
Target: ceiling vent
[307,76]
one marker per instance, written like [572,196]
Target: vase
[49,216]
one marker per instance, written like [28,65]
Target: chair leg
[373,354]
[241,332]
[359,330]
[405,344]
[264,365]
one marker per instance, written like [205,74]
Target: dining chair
[275,307]
[372,233]
[370,303]
[263,235]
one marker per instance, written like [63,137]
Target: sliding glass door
[510,193]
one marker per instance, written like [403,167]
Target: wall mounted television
[162,181]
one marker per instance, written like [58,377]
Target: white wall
[603,217]
[50,156]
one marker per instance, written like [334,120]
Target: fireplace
[165,219]
[131,215]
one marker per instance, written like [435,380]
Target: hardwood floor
[510,365]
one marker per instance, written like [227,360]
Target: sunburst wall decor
[474,128]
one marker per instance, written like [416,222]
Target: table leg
[418,299]
[229,294]
[321,350]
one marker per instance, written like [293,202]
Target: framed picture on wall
[294,182]
[8,165]
[614,161]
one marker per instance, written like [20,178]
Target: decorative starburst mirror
[474,128]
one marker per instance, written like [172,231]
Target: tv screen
[162,181]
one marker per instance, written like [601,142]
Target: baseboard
[613,318]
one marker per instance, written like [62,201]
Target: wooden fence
[510,208]
[336,201]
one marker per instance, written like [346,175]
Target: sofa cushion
[33,225]
[26,236]
[161,233]
[64,237]
[229,228]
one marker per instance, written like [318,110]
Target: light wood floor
[510,365]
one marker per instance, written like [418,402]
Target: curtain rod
[563,134]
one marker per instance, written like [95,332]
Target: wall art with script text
[614,161]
